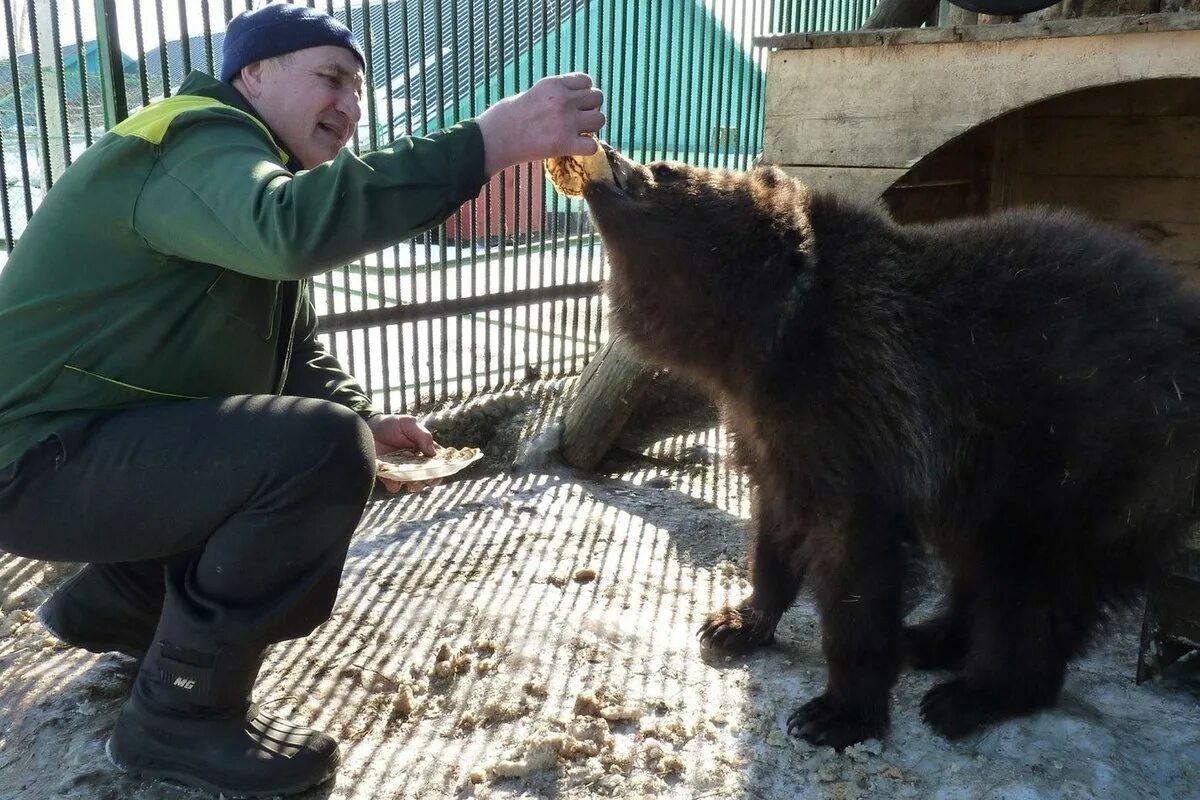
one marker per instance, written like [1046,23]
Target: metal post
[112,67]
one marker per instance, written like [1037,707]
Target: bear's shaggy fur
[1022,392]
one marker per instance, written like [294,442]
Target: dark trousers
[248,503]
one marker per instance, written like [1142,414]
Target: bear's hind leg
[1021,640]
[941,642]
[776,572]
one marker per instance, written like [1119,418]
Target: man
[166,412]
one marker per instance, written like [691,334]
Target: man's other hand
[544,121]
[401,432]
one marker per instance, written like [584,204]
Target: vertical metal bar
[731,47]
[634,8]
[745,99]
[406,67]
[743,73]
[358,286]
[208,45]
[578,61]
[39,97]
[546,324]
[412,245]
[456,220]
[649,93]
[390,111]
[370,84]
[406,55]
[164,61]
[680,149]
[515,171]
[369,78]
[711,25]
[663,70]
[527,311]
[143,78]
[185,48]
[585,15]
[501,200]
[479,77]
[112,67]
[5,208]
[81,52]
[696,55]
[564,333]
[438,43]
[60,84]
[432,61]
[729,53]
[20,113]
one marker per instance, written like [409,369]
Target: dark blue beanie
[278,29]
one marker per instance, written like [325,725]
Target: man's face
[310,98]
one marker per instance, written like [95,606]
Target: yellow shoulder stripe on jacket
[151,123]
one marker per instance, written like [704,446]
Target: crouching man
[167,414]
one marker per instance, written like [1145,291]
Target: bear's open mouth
[622,169]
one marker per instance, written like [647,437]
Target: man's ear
[252,76]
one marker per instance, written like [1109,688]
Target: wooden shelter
[1101,114]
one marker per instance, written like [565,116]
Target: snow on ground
[529,632]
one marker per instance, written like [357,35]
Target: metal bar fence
[508,287]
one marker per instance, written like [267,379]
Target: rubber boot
[190,719]
[107,608]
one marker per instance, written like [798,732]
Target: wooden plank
[1132,199]
[1052,29]
[856,106]
[851,182]
[877,141]
[1105,146]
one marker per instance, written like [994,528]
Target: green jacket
[171,261]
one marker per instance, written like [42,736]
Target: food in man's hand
[570,174]
[407,466]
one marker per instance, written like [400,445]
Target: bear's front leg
[776,571]
[859,575]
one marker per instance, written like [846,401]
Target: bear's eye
[665,173]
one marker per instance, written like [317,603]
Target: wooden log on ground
[608,393]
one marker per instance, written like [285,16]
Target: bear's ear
[769,176]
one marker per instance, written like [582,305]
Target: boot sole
[44,616]
[231,792]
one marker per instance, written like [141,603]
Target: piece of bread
[570,174]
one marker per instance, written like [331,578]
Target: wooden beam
[1053,29]
[855,107]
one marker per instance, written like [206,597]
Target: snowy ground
[473,653]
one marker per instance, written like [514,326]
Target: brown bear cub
[1021,392]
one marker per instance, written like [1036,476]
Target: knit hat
[278,29]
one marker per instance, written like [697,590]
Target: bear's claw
[822,721]
[738,630]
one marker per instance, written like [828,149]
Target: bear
[1019,393]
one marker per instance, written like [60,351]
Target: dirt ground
[528,631]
